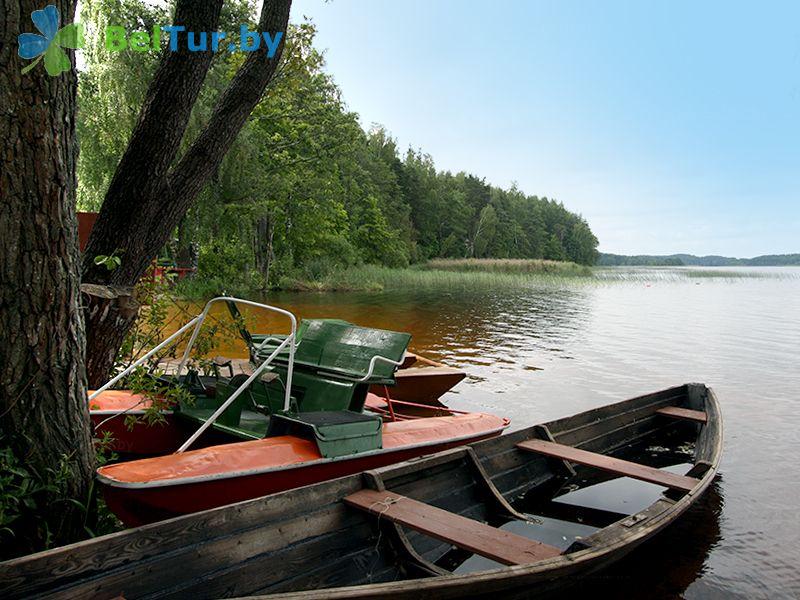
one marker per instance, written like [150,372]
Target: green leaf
[55,61]
[70,36]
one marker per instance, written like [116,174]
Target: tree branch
[230,114]
[155,139]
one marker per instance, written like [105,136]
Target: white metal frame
[375,359]
[198,323]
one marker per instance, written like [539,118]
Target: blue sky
[672,127]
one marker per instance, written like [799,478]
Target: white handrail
[286,313]
[233,396]
[375,359]
[266,341]
[198,323]
[162,345]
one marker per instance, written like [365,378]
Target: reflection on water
[541,353]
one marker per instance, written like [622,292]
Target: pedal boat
[304,415]
[419,380]
[152,489]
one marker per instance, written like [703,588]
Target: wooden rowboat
[469,522]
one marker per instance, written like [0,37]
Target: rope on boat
[386,504]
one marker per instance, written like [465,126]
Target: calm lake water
[549,351]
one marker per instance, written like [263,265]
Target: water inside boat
[579,505]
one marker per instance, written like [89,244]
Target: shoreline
[478,274]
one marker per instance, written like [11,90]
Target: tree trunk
[114,306]
[186,252]
[264,233]
[148,195]
[44,419]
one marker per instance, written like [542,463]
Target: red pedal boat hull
[149,490]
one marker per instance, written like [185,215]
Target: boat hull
[423,385]
[141,505]
[139,439]
[108,413]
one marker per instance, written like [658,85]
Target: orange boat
[304,415]
[108,412]
[147,490]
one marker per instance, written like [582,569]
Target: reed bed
[375,278]
[509,265]
[667,274]
[472,274]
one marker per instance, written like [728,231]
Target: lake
[546,351]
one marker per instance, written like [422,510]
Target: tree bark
[147,199]
[262,247]
[43,408]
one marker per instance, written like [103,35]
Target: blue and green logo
[50,42]
[49,45]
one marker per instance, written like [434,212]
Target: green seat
[343,350]
[331,359]
[336,433]
[245,417]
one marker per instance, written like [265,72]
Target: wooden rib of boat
[467,522]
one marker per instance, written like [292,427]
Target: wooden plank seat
[686,414]
[467,534]
[610,464]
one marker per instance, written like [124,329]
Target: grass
[443,274]
[529,266]
[666,274]
[202,288]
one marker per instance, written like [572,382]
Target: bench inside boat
[464,520]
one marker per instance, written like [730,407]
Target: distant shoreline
[690,260]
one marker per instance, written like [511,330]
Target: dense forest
[305,189]
[677,260]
